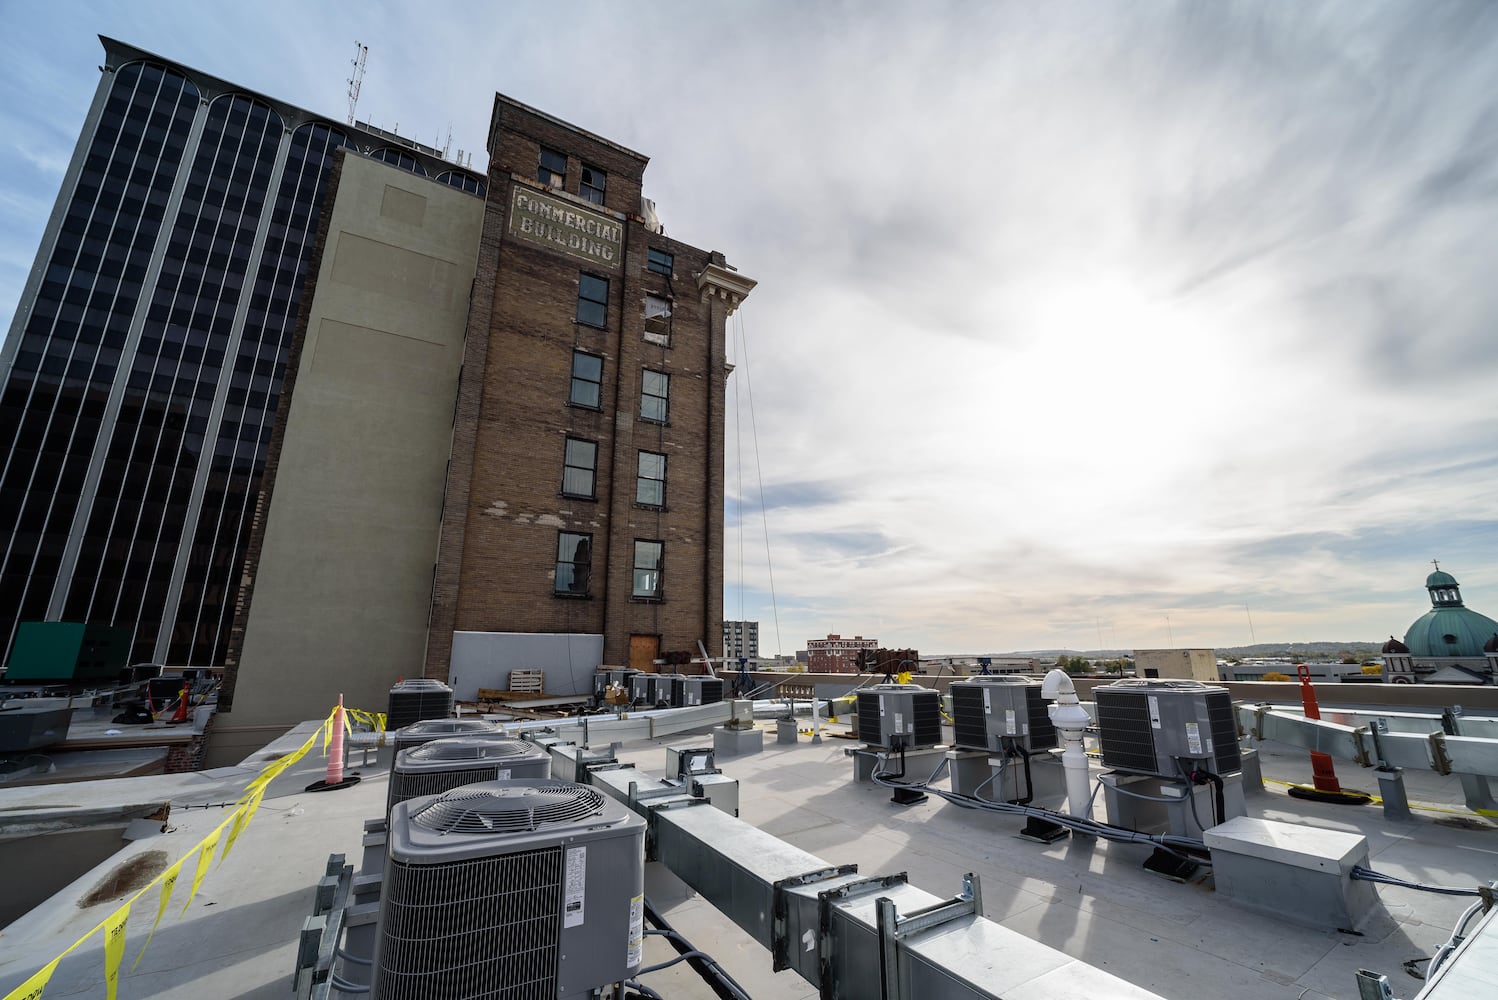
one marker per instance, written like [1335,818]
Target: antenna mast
[361,54]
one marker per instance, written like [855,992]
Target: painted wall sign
[566,227]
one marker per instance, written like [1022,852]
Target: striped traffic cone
[335,778]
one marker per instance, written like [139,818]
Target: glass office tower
[144,366]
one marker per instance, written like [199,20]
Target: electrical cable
[1187,848]
[642,990]
[1458,935]
[1369,875]
[713,974]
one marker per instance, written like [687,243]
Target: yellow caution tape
[114,948]
[113,926]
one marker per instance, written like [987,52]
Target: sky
[1079,324]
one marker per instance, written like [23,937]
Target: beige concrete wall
[1178,664]
[343,584]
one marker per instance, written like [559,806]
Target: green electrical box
[63,652]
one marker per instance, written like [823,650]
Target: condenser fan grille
[508,810]
[487,750]
[482,928]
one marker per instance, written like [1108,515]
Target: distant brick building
[836,655]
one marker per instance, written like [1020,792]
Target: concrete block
[737,742]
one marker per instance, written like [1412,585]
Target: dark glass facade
[137,414]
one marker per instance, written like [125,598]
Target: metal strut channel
[780,910]
[894,928]
[827,899]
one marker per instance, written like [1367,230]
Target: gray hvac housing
[453,761]
[999,712]
[418,733]
[623,676]
[513,888]
[1160,726]
[418,699]
[897,716]
[699,690]
[651,690]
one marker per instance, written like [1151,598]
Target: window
[648,560]
[587,379]
[658,320]
[574,563]
[592,300]
[553,169]
[653,392]
[650,482]
[591,187]
[659,261]
[579,464]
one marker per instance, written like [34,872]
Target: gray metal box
[1160,726]
[453,761]
[994,713]
[719,789]
[650,690]
[533,887]
[427,730]
[1292,871]
[621,675]
[893,715]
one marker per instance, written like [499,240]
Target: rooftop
[1090,900]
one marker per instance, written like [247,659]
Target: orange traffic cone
[335,778]
[1324,786]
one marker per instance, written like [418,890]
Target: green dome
[1440,578]
[1450,631]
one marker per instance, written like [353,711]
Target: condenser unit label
[576,886]
[1154,711]
[636,932]
[502,774]
[1193,737]
[899,723]
[1009,721]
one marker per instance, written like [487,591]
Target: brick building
[586,483]
[384,417]
[836,655]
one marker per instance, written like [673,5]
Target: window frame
[660,261]
[572,399]
[641,479]
[664,397]
[587,190]
[659,569]
[583,280]
[572,564]
[548,176]
[660,333]
[568,466]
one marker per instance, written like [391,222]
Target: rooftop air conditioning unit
[604,678]
[415,700]
[701,690]
[987,711]
[427,730]
[671,689]
[899,716]
[1149,726]
[651,690]
[454,761]
[530,889]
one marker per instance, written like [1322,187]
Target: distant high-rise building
[145,363]
[741,640]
